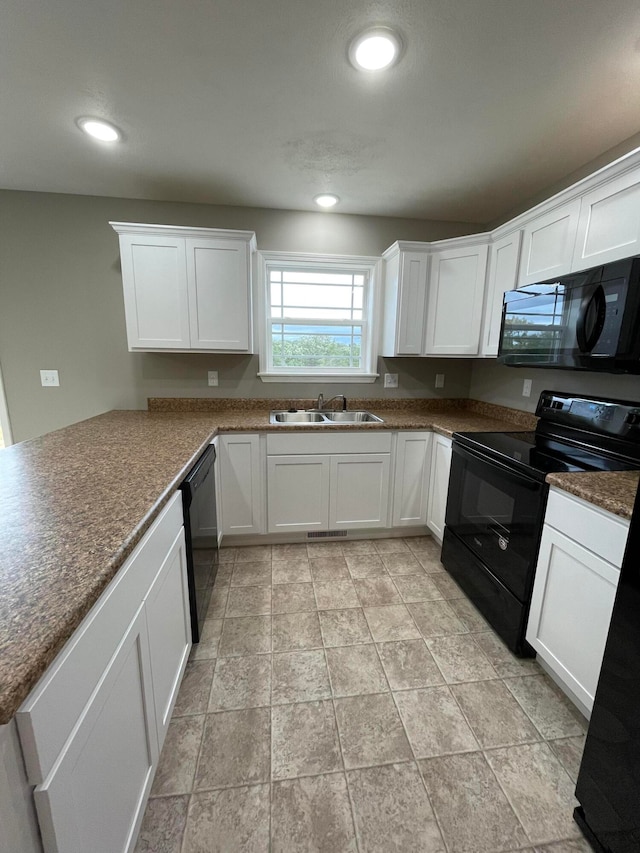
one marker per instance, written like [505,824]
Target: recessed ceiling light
[375,49]
[326,200]
[99,129]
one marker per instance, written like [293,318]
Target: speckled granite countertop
[614,491]
[75,503]
[444,416]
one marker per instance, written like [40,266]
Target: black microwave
[587,320]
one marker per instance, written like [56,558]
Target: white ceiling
[253,103]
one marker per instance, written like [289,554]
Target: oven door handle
[514,476]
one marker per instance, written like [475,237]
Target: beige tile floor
[348,697]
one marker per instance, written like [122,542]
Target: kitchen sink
[352,417]
[296,418]
[323,418]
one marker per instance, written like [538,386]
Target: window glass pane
[319,313]
[318,346]
[329,307]
[276,293]
[313,277]
[316,295]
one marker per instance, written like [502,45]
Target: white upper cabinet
[609,223]
[405,296]
[218,277]
[433,297]
[154,277]
[456,295]
[186,288]
[504,257]
[547,247]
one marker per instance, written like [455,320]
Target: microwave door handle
[587,340]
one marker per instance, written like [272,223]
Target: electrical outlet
[212,378]
[439,380]
[49,378]
[526,388]
[391,380]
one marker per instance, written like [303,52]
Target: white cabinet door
[609,224]
[456,295]
[218,275]
[548,242]
[439,484]
[406,278]
[411,479]
[412,298]
[95,795]
[297,493]
[186,288]
[570,612]
[504,257]
[359,491]
[241,484]
[169,625]
[154,278]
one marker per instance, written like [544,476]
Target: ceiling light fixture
[375,49]
[326,200]
[99,129]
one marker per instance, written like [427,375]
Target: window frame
[371,266]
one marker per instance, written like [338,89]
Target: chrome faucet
[322,404]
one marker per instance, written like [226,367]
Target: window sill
[325,378]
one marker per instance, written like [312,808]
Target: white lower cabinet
[92,729]
[359,491]
[411,478]
[169,628]
[242,483]
[438,484]
[320,482]
[574,589]
[298,492]
[94,797]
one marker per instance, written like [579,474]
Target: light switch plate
[212,378]
[49,378]
[439,380]
[391,380]
[526,388]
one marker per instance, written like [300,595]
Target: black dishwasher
[201,532]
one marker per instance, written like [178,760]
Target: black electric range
[497,497]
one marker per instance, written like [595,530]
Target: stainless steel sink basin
[296,418]
[352,417]
[323,418]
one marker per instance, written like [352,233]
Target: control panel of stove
[613,417]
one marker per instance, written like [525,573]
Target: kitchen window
[318,318]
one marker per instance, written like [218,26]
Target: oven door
[497,513]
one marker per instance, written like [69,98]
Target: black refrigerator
[608,787]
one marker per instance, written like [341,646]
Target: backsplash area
[185,375]
[495,383]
